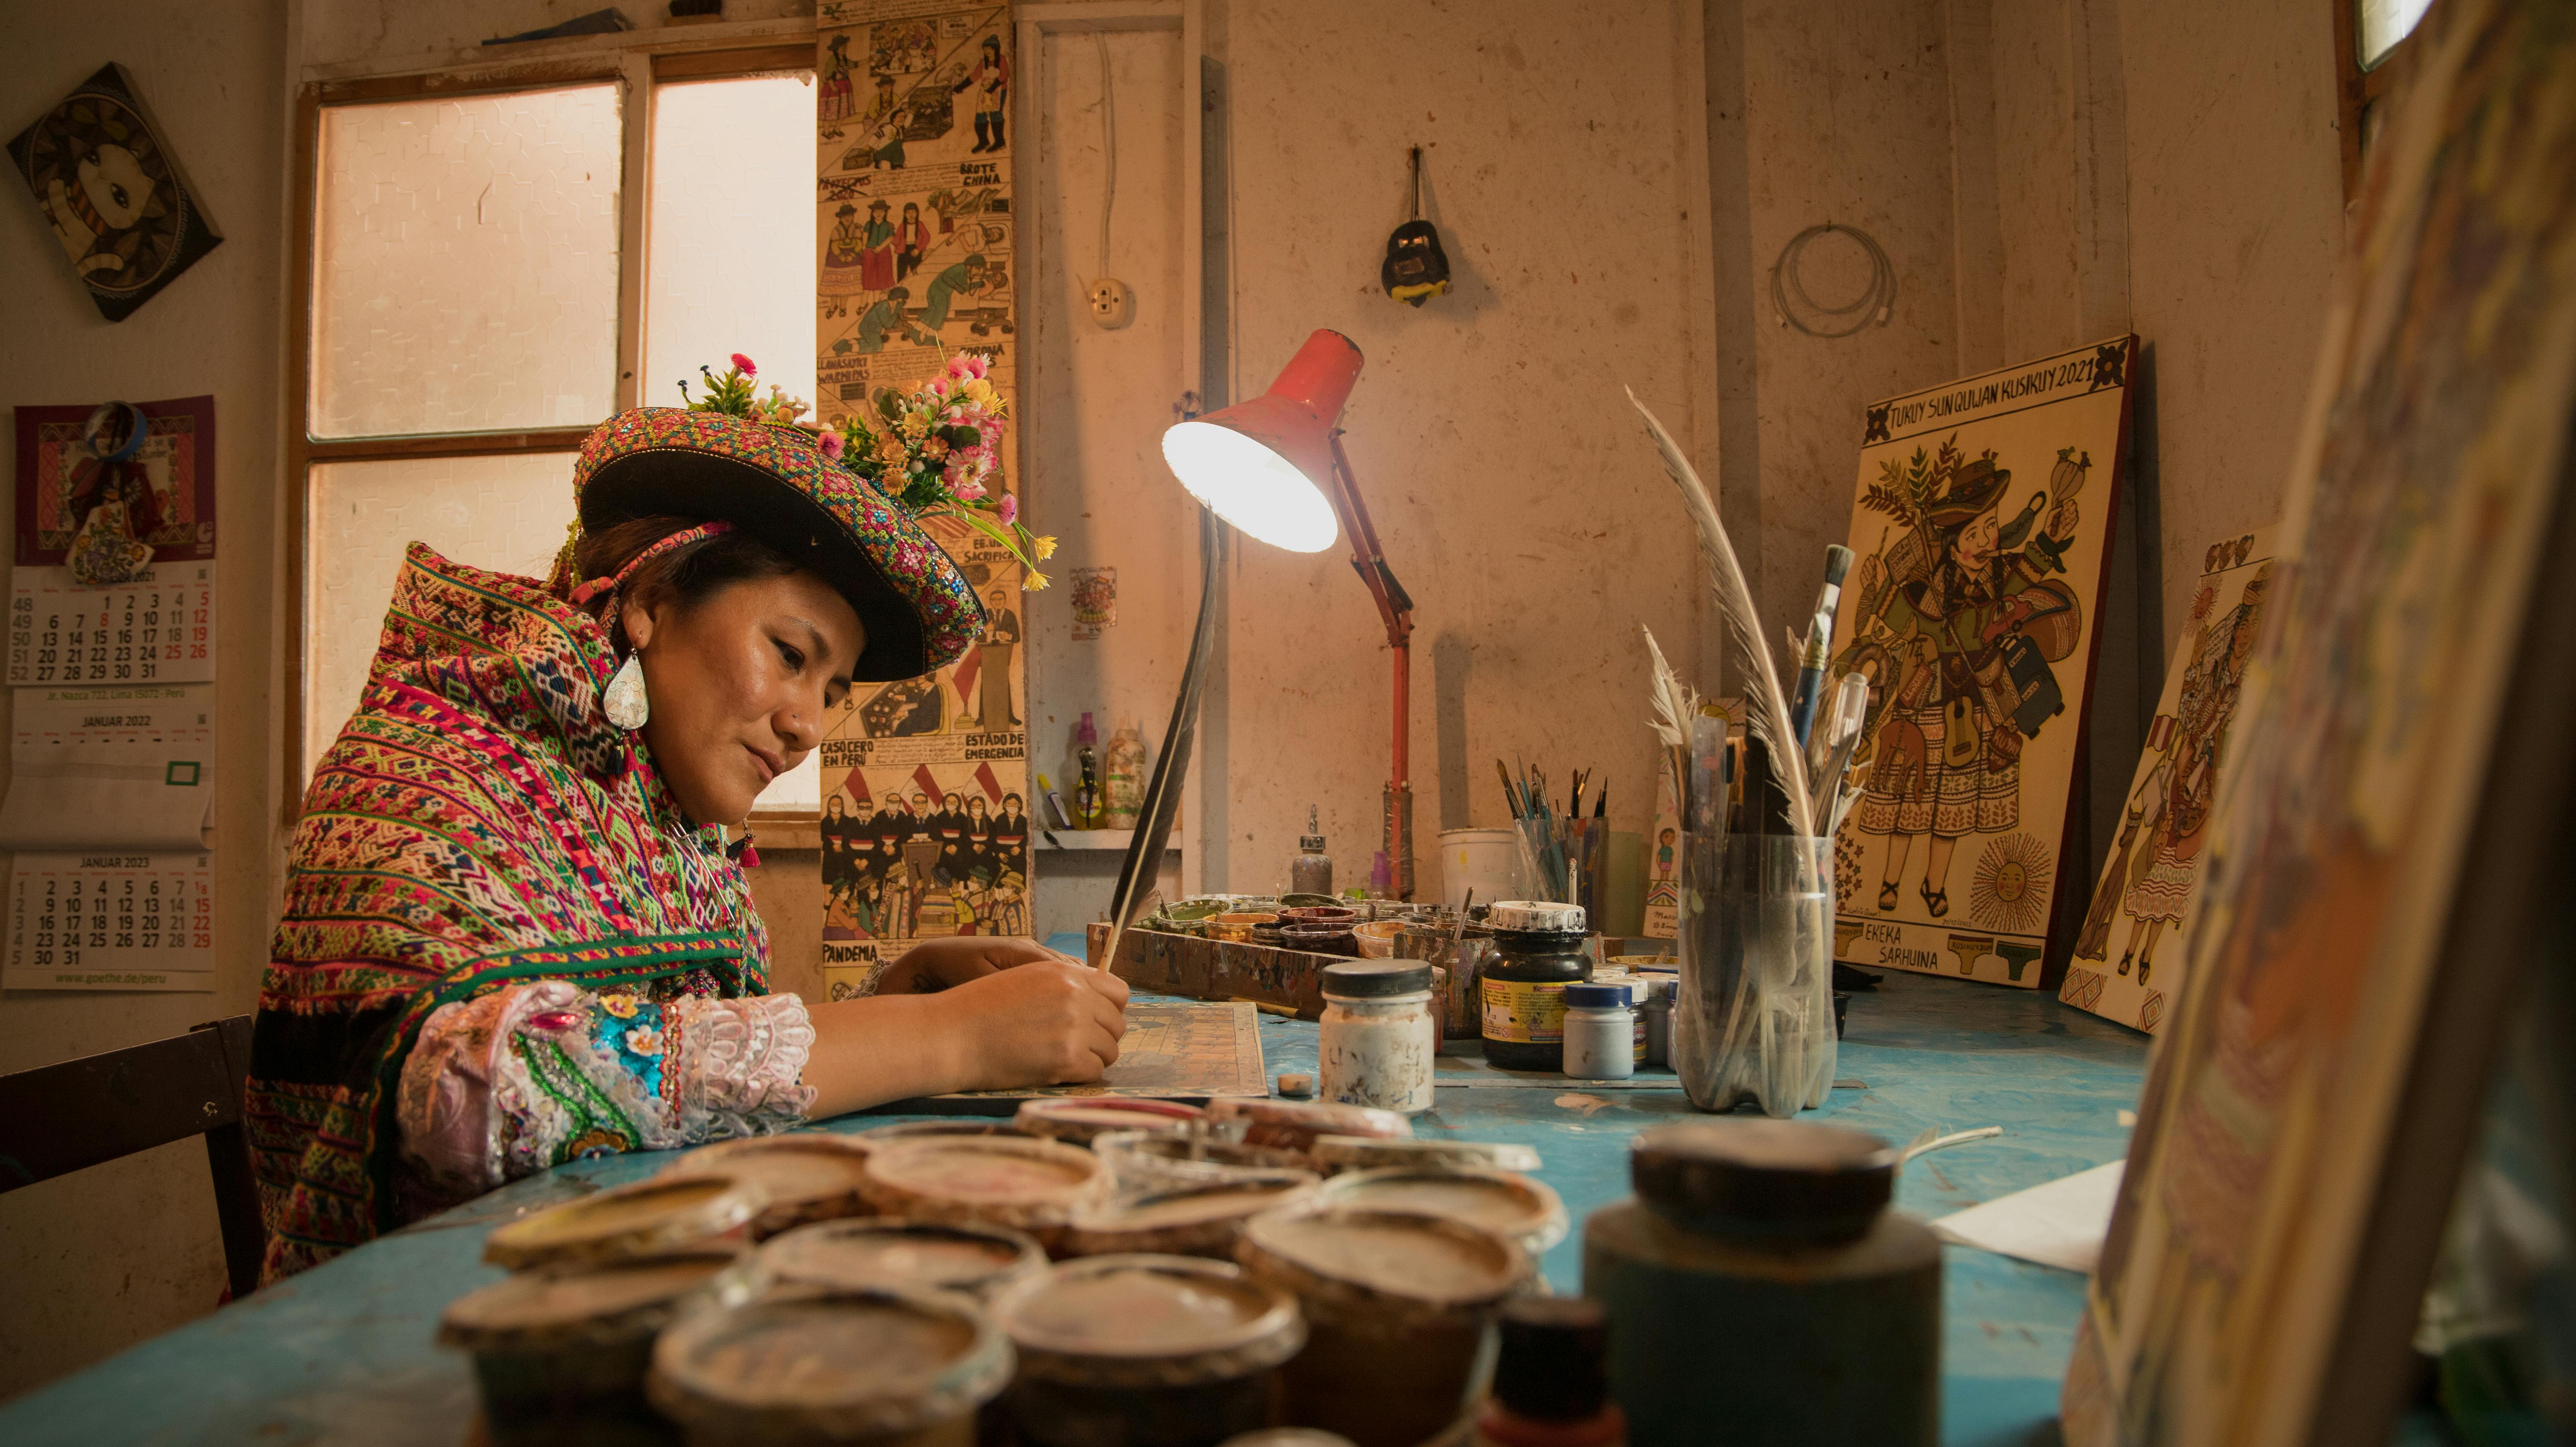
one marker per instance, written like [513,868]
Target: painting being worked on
[2386,862]
[2142,904]
[1982,527]
[1171,1052]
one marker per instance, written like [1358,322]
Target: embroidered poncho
[478,825]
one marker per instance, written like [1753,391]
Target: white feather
[1766,707]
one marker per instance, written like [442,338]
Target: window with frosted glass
[507,514]
[465,264]
[2383,23]
[730,265]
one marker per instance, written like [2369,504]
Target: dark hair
[689,574]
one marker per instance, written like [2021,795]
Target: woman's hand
[935,965]
[1051,1022]
[1022,1017]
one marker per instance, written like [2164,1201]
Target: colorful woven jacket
[478,823]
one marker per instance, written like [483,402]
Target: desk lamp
[1273,467]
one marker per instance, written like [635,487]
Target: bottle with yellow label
[1538,951]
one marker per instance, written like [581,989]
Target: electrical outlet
[1112,304]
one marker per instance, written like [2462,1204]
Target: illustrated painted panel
[1981,528]
[111,190]
[2141,907]
[2384,847]
[925,781]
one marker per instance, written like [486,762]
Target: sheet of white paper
[110,922]
[2057,1224]
[101,768]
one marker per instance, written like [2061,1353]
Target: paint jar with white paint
[1600,1032]
[1379,1034]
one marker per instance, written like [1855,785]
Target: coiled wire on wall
[1873,306]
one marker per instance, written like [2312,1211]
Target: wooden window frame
[638,61]
[2358,91]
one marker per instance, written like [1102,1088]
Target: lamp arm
[1162,798]
[1395,607]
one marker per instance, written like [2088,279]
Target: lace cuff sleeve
[529,1077]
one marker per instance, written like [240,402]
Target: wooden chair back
[81,1113]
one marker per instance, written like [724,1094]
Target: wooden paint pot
[1076,1121]
[1193,1220]
[1294,1126]
[1145,1351]
[1504,1202]
[979,1261]
[876,1136]
[1399,1316]
[1239,924]
[561,1351]
[808,1176]
[817,1364]
[1027,1185]
[1139,1162]
[655,1215]
[1335,1153]
[1758,1280]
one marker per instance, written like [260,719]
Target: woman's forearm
[885,1047]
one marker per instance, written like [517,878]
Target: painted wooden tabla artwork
[2387,863]
[925,781]
[1981,527]
[2128,958]
[110,188]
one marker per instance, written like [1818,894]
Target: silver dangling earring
[625,701]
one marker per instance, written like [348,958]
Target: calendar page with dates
[110,922]
[158,629]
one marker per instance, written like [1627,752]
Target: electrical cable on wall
[1871,308]
[1112,305]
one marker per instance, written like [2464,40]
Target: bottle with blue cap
[1600,1032]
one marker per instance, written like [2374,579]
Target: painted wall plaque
[112,191]
[925,781]
[1981,526]
[2129,956]
[2386,876]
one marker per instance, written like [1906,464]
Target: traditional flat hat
[919,611]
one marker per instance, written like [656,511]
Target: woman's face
[1976,544]
[740,685]
[975,808]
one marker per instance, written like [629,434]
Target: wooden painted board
[2387,863]
[2129,955]
[925,781]
[1204,969]
[1982,527]
[1170,1052]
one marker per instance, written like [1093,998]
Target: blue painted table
[345,1352]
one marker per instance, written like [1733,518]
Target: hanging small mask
[1415,269]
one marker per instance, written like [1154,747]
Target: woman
[513,933]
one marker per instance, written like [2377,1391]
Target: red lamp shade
[1265,465]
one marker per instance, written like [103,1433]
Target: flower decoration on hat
[736,395]
[935,450]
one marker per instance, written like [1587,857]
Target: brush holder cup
[1754,1021]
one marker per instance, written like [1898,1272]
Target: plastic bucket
[1484,859]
